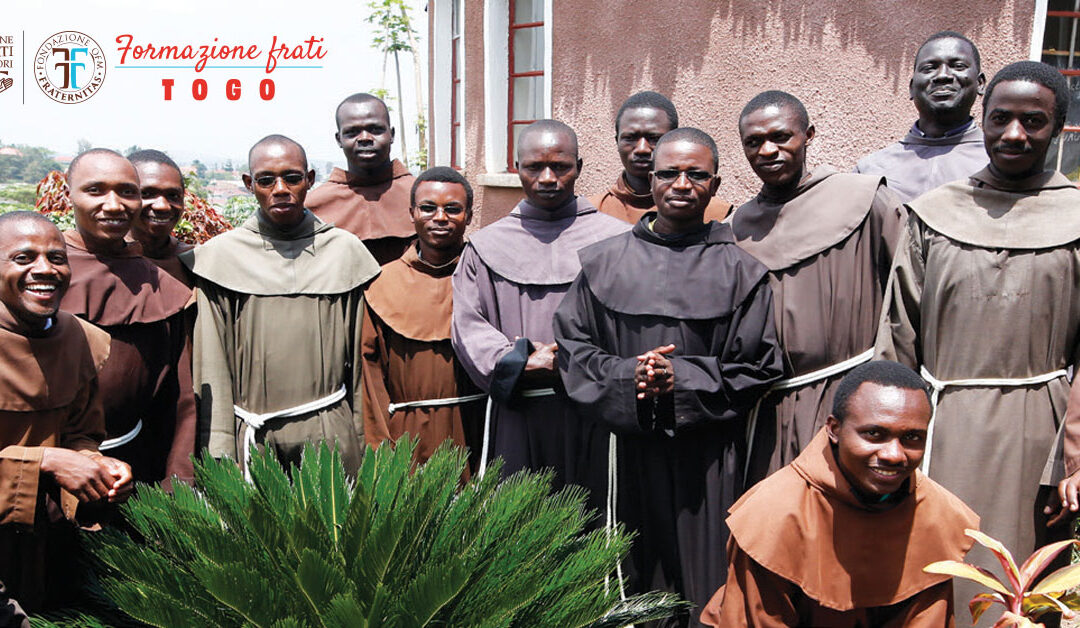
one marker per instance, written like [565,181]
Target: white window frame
[496,81]
[442,86]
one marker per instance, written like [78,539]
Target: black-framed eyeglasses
[268,180]
[696,176]
[432,209]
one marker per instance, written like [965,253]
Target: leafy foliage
[392,548]
[1023,599]
[26,164]
[199,223]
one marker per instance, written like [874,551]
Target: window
[1059,48]
[525,95]
[457,89]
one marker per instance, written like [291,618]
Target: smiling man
[944,144]
[141,306]
[412,381]
[512,275]
[51,419]
[668,359]
[827,239]
[984,290]
[161,185]
[280,311]
[371,199]
[640,122]
[840,536]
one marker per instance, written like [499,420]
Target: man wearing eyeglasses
[642,119]
[827,239]
[668,359]
[371,198]
[280,311]
[412,381]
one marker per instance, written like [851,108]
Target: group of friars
[711,379]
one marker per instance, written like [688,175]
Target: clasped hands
[89,476]
[654,375]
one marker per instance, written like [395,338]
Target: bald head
[547,132]
[17,220]
[363,99]
[274,145]
[94,154]
[691,135]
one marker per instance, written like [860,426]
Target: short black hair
[951,35]
[151,156]
[648,100]
[549,126]
[444,174]
[1041,74]
[692,135]
[358,98]
[775,97]
[87,153]
[276,139]
[881,372]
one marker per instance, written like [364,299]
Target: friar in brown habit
[280,303]
[371,199]
[840,536]
[827,239]
[51,418]
[984,298]
[413,383]
[162,187]
[640,122]
[141,306]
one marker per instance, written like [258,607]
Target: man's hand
[654,374]
[121,472]
[1065,502]
[541,363]
[82,476]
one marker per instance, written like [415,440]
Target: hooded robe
[828,248]
[407,356]
[143,309]
[678,459]
[986,285]
[917,164]
[806,550]
[50,396]
[377,214]
[622,202]
[511,277]
[280,313]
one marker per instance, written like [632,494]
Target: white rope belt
[433,403]
[531,392]
[611,515]
[256,422]
[797,382]
[938,385]
[113,443]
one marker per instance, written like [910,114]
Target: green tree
[395,34]
[392,548]
[200,169]
[83,146]
[196,184]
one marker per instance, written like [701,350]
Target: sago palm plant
[392,548]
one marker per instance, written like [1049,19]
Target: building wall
[849,61]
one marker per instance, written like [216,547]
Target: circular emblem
[69,67]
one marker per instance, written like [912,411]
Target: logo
[7,58]
[69,67]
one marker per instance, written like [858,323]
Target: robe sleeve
[887,218]
[20,472]
[211,374]
[183,442]
[166,403]
[600,383]
[721,388]
[373,363]
[355,372]
[898,332]
[752,596]
[485,353]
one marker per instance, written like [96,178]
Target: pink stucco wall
[848,60]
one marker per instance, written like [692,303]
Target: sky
[130,108]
